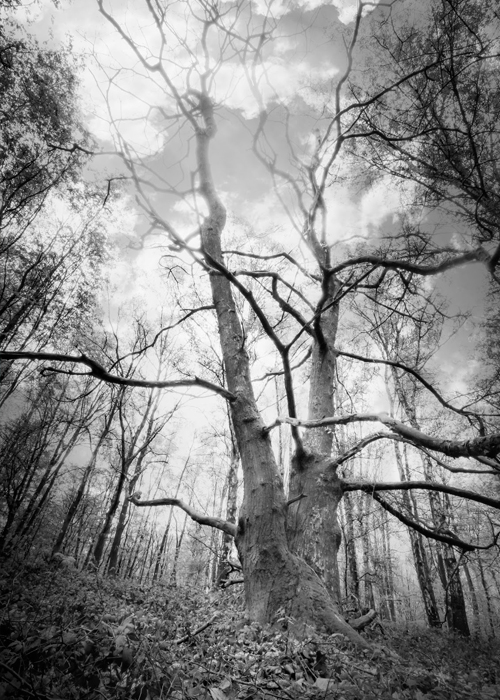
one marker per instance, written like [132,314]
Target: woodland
[249,349]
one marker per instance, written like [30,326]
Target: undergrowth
[66,635]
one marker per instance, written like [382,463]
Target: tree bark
[314,532]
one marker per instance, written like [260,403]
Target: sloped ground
[67,635]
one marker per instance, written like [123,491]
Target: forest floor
[66,634]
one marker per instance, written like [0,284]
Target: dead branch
[211,521]
[370,488]
[488,445]
[99,372]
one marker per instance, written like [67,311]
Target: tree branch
[425,485]
[471,256]
[409,370]
[484,446]
[427,532]
[98,371]
[211,521]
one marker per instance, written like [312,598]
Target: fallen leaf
[217,694]
[325,684]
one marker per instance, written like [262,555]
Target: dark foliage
[69,634]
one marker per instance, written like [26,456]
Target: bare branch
[433,534]
[425,485]
[211,521]
[409,370]
[479,255]
[488,445]
[98,371]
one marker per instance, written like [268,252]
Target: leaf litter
[75,634]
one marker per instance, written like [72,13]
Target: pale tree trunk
[277,581]
[224,568]
[314,532]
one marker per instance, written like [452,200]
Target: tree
[287,543]
[52,237]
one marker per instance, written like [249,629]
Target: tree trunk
[487,594]
[455,607]
[158,570]
[454,599]
[102,538]
[83,482]
[418,550]
[369,598]
[472,591]
[314,532]
[277,581]
[352,569]
[178,544]
[223,569]
[389,590]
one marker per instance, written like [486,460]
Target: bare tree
[287,543]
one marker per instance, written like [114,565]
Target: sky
[308,55]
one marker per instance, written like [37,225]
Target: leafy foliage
[74,634]
[42,142]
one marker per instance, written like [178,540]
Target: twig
[197,631]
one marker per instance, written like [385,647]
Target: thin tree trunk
[223,568]
[472,591]
[73,507]
[487,595]
[369,599]
[352,573]
[161,549]
[139,453]
[178,544]
[418,550]
[456,615]
[389,589]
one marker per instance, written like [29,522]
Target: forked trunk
[277,582]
